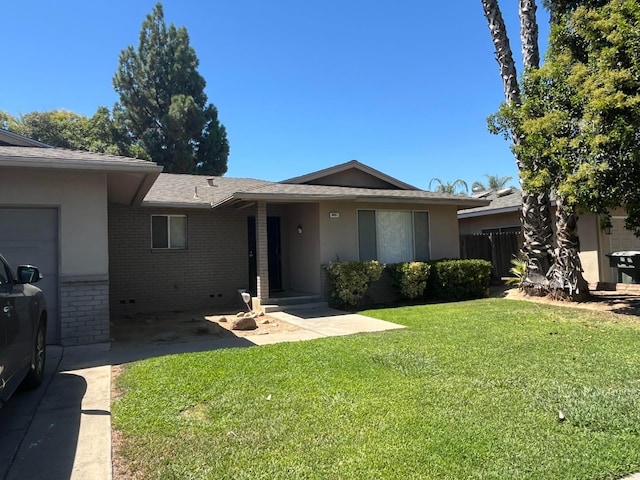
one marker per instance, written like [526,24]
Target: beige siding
[82,201]
[339,236]
[83,265]
[205,275]
[303,257]
[590,240]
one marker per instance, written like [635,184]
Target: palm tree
[449,187]
[536,224]
[494,182]
[565,275]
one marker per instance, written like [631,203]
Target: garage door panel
[29,236]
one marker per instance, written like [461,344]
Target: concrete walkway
[62,430]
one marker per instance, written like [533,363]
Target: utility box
[627,265]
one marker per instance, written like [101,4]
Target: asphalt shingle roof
[511,201]
[61,157]
[195,191]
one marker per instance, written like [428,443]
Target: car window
[5,274]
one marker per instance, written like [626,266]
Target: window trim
[413,230]
[168,219]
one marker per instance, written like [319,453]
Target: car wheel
[36,370]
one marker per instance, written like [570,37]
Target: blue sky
[404,87]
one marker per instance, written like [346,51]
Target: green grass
[468,390]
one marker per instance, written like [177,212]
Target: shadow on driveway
[39,429]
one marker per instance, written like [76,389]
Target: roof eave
[495,211]
[306,198]
[40,163]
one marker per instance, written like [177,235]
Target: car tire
[36,369]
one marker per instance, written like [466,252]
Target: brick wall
[207,274]
[84,310]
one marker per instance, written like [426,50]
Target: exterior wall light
[606,225]
[300,229]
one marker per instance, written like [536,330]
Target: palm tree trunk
[565,276]
[504,56]
[565,279]
[529,34]
[536,217]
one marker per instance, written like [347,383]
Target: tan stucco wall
[339,236]
[82,202]
[590,239]
[473,225]
[304,248]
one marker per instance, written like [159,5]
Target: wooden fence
[498,248]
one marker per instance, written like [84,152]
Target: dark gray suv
[23,327]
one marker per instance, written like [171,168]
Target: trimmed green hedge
[459,279]
[351,280]
[409,278]
[439,280]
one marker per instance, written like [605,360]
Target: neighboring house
[113,235]
[503,215]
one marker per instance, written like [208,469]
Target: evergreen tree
[163,104]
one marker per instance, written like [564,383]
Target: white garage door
[622,239]
[30,236]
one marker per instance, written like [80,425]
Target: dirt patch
[178,327]
[601,300]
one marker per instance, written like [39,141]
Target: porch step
[302,302]
[303,306]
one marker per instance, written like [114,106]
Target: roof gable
[351,174]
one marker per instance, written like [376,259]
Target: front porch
[284,256]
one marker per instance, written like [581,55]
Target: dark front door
[273,253]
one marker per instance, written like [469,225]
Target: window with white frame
[169,231]
[393,236]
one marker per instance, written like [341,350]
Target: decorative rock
[264,321]
[222,319]
[240,314]
[244,323]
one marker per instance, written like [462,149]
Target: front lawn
[468,390]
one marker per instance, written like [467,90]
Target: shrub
[409,278]
[459,279]
[350,280]
[519,271]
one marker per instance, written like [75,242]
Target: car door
[14,326]
[5,285]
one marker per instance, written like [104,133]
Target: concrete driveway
[62,430]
